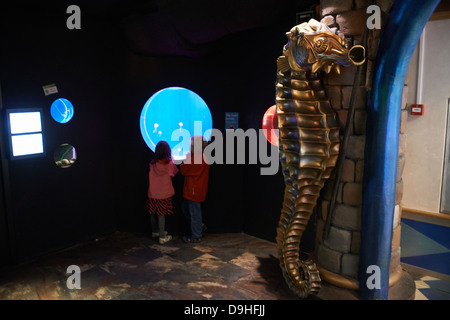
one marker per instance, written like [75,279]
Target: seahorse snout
[354,56]
[357,55]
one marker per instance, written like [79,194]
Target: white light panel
[27,144]
[25,122]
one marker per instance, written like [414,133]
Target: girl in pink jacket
[160,190]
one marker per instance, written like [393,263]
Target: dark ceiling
[163,27]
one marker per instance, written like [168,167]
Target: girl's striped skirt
[160,207]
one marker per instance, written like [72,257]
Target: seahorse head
[314,46]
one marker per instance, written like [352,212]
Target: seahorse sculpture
[308,136]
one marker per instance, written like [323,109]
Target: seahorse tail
[302,277]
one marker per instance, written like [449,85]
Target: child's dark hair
[198,144]
[162,151]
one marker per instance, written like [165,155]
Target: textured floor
[426,247]
[432,288]
[127,266]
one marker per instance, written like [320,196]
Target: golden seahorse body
[309,138]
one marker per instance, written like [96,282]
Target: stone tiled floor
[127,266]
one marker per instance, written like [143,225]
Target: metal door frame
[445,194]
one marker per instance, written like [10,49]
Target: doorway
[445,193]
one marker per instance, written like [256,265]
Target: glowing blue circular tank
[175,114]
[62,110]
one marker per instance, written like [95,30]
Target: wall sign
[50,89]
[231,120]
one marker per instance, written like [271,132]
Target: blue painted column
[398,41]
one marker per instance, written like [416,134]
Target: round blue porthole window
[62,110]
[175,115]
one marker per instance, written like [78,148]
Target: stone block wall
[339,254]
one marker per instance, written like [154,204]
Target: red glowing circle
[270,122]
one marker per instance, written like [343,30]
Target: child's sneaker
[191,240]
[156,234]
[165,239]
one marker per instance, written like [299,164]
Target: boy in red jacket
[196,173]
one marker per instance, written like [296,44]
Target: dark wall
[216,80]
[4,238]
[105,190]
[52,207]
[239,76]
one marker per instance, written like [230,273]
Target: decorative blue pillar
[400,36]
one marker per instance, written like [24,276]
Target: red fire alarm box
[417,109]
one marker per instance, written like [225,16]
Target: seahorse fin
[337,68]
[311,58]
[316,66]
[283,64]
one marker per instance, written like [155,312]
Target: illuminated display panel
[62,110]
[26,144]
[25,122]
[172,109]
[25,132]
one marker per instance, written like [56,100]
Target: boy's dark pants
[193,212]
